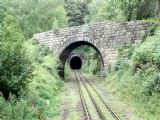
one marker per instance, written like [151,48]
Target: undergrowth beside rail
[41,96]
[135,78]
[29,85]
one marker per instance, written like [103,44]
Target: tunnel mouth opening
[76,63]
[71,47]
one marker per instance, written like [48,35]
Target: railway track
[93,104]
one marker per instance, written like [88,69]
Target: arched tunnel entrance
[69,48]
[75,63]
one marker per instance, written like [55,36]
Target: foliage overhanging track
[85,83]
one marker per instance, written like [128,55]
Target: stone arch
[105,37]
[70,47]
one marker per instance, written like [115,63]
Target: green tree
[137,9]
[76,12]
[2,11]
[105,10]
[35,16]
[157,7]
[15,68]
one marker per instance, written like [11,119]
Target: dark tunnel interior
[76,63]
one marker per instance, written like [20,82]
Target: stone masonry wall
[105,36]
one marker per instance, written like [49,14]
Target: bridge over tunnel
[104,37]
[76,62]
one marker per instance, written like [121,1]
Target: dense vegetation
[122,10]
[136,76]
[27,93]
[29,83]
[76,11]
[15,67]
[35,16]
[41,95]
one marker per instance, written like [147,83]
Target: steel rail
[93,100]
[107,106]
[84,105]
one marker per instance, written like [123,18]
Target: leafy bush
[148,53]
[152,85]
[125,51]
[15,67]
[121,64]
[17,110]
[137,72]
[41,96]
